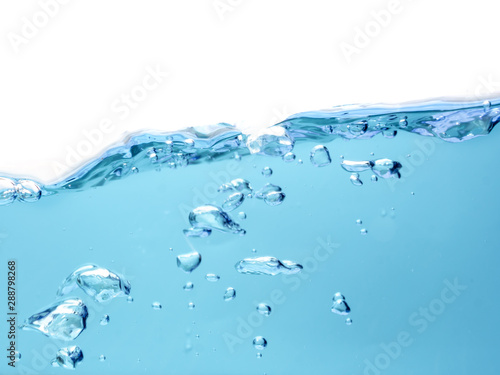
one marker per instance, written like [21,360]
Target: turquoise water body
[354,240]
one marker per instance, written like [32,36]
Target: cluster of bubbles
[27,191]
[383,168]
[66,319]
[341,307]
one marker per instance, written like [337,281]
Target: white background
[251,63]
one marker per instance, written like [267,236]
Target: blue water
[413,255]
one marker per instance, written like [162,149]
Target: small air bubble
[191,306]
[188,286]
[355,179]
[104,320]
[242,215]
[289,157]
[212,277]
[364,232]
[259,343]
[264,309]
[348,321]
[102,358]
[130,299]
[156,305]
[359,222]
[267,171]
[230,294]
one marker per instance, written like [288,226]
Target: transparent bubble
[355,180]
[191,306]
[188,286]
[356,166]
[212,277]
[389,133]
[213,217]
[266,172]
[233,201]
[28,191]
[242,215]
[320,156]
[374,178]
[486,105]
[97,282]
[230,294]
[68,357]
[102,358]
[63,320]
[274,198]
[273,141]
[340,307]
[338,296]
[189,262]
[359,222]
[348,321]
[289,157]
[358,129]
[130,299]
[238,184]
[259,343]
[267,266]
[267,189]
[364,232]
[156,305]
[386,168]
[264,309]
[8,191]
[237,156]
[104,320]
[197,232]
[259,355]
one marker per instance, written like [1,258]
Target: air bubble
[359,222]
[212,277]
[230,294]
[274,198]
[102,358]
[348,321]
[356,166]
[242,215]
[267,266]
[191,306]
[273,141]
[68,357]
[374,178]
[266,172]
[189,262]
[64,320]
[340,307]
[97,282]
[188,286]
[156,305]
[320,156]
[264,309]
[213,217]
[364,232]
[289,157]
[130,299]
[197,232]
[355,180]
[28,191]
[357,129]
[259,343]
[104,320]
[233,201]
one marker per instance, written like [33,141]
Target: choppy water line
[449,121]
